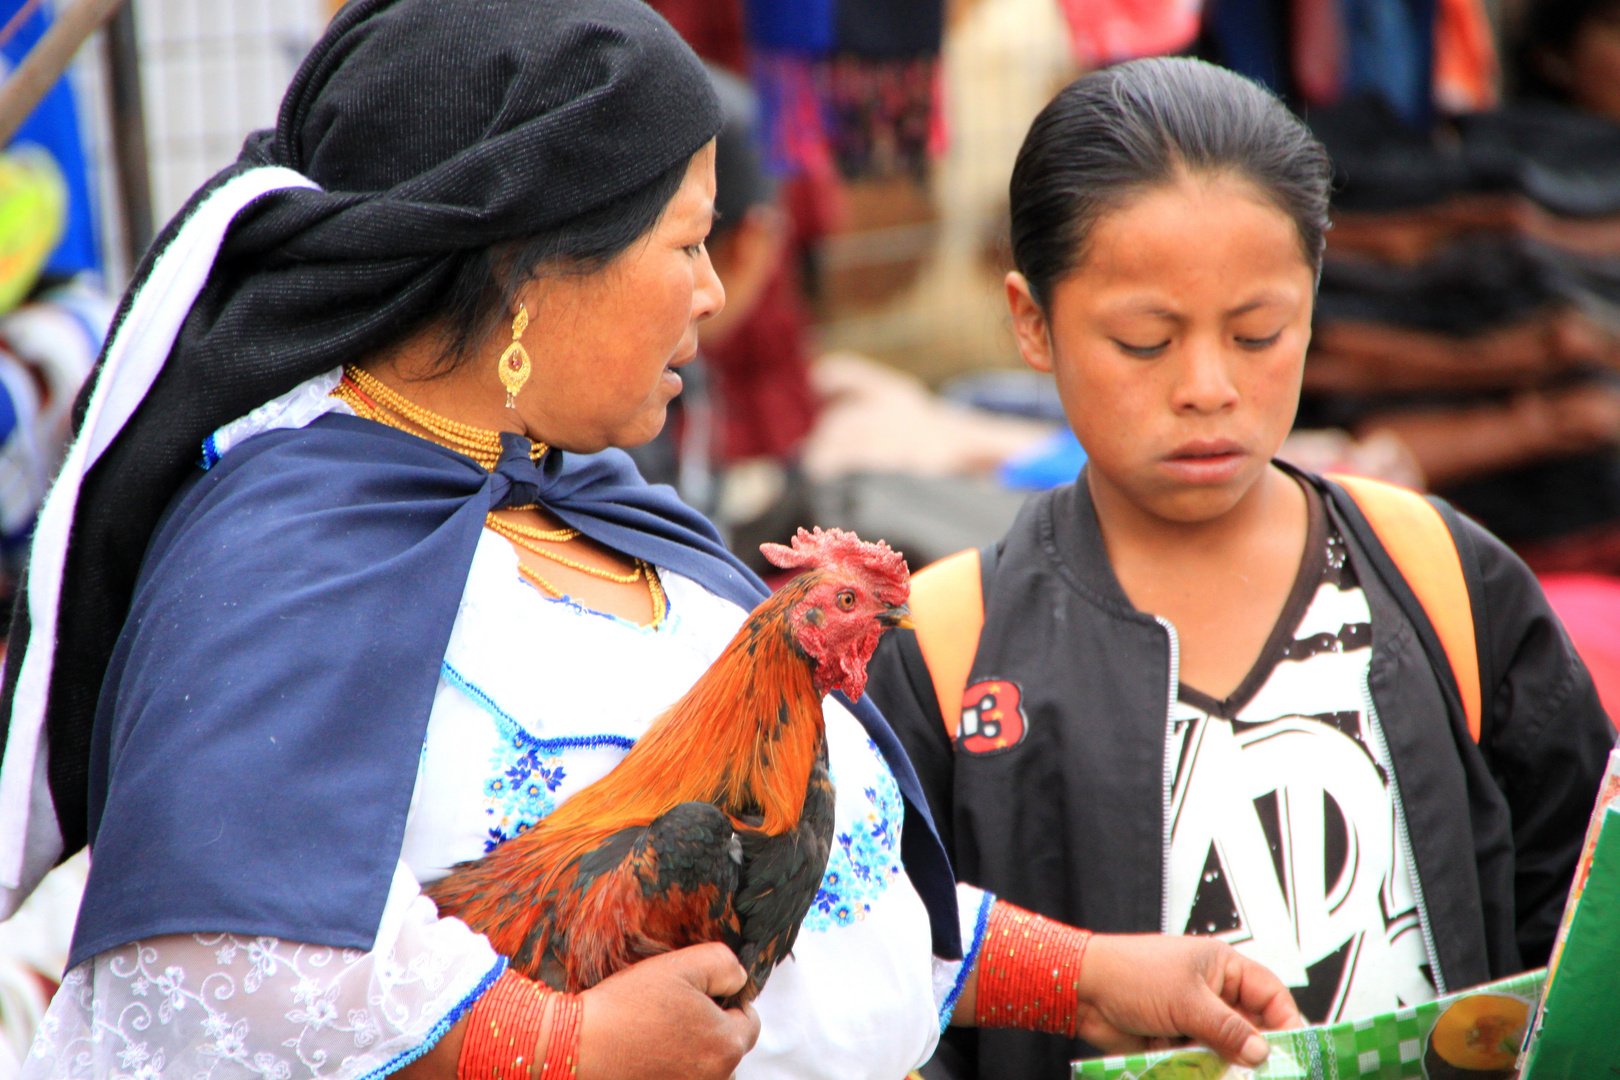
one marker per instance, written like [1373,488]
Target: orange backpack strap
[1423,550]
[947,608]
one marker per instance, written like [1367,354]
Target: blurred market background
[1467,338]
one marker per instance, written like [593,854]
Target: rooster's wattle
[716,826]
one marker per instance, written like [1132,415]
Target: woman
[1231,717]
[409,604]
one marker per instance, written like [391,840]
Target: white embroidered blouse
[537,698]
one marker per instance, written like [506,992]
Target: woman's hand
[1136,986]
[658,1019]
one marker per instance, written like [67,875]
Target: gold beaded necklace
[372,399]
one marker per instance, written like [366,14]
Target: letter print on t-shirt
[1284,840]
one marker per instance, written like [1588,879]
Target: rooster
[716,826]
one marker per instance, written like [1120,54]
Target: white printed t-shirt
[1287,838]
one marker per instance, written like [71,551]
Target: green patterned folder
[1575,1034]
[1471,1035]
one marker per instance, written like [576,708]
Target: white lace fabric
[222,1007]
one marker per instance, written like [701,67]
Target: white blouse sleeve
[973,912]
[227,1007]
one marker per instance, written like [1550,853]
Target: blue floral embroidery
[525,771]
[519,792]
[864,859]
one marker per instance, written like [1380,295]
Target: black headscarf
[433,127]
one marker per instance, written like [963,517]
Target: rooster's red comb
[826,548]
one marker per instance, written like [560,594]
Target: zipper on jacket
[1169,767]
[1375,731]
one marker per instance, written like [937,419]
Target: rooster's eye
[846,599]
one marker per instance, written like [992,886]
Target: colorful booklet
[1572,1008]
[1472,1035]
[1573,1037]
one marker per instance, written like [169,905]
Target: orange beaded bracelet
[1029,972]
[504,1028]
[562,1049]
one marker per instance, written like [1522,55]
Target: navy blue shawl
[257,738]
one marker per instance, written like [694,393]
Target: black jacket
[1072,820]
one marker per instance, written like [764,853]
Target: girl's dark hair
[1114,133]
[487,279]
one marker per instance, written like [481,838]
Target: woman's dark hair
[487,279]
[1114,133]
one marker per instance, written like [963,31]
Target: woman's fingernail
[1255,1051]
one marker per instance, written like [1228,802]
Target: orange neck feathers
[744,738]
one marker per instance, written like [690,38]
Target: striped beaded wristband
[503,1032]
[1029,972]
[562,1049]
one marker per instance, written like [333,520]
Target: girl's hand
[657,1019]
[1136,986]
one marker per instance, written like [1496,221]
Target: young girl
[1203,700]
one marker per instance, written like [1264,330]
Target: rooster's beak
[897,616]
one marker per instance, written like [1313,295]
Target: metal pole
[128,117]
[47,60]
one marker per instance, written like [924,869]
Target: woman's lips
[1212,461]
[672,369]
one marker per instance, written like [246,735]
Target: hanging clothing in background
[1251,38]
[762,371]
[1487,236]
[22,480]
[1389,48]
[1317,52]
[49,343]
[1109,31]
[793,114]
[804,27]
[1471,289]
[888,28]
[54,125]
[714,29]
[33,211]
[883,114]
[58,335]
[1466,72]
[788,39]
[1565,162]
[848,84]
[47,348]
[884,85]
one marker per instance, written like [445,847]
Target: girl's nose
[1203,380]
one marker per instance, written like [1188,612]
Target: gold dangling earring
[515,366]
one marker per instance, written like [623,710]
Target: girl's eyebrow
[1156,309]
[1150,307]
[1265,299]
